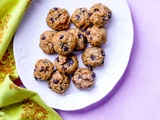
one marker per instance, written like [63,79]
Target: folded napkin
[16,103]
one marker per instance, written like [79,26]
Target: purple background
[137,94]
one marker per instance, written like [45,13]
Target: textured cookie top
[80,18]
[43,69]
[83,78]
[59,82]
[93,57]
[96,36]
[66,64]
[64,42]
[58,19]
[80,38]
[101,14]
[46,42]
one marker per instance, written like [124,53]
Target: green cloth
[16,103]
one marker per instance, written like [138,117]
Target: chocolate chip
[102,62]
[52,45]
[109,15]
[55,81]
[59,15]
[57,59]
[93,57]
[104,19]
[82,10]
[87,32]
[95,10]
[79,77]
[35,69]
[70,62]
[42,68]
[77,17]
[80,36]
[36,78]
[89,67]
[103,53]
[61,88]
[43,38]
[65,48]
[93,75]
[52,19]
[89,14]
[85,40]
[49,86]
[55,8]
[61,36]
[63,68]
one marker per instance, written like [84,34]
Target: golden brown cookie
[66,64]
[43,69]
[58,19]
[96,36]
[83,78]
[64,42]
[93,57]
[80,18]
[80,38]
[59,82]
[46,42]
[100,14]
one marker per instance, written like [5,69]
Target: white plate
[117,48]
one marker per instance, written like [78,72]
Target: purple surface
[137,95]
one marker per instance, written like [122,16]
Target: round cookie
[83,78]
[64,42]
[80,38]
[100,14]
[96,36]
[80,18]
[59,82]
[43,69]
[58,19]
[66,64]
[46,43]
[93,57]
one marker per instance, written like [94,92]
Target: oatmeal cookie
[58,19]
[80,18]
[83,78]
[96,36]
[66,64]
[100,14]
[93,57]
[43,69]
[59,82]
[46,42]
[64,42]
[80,38]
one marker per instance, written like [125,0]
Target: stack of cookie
[63,41]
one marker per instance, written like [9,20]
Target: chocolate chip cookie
[58,19]
[83,78]
[64,42]
[43,69]
[80,38]
[93,57]
[46,42]
[96,36]
[66,64]
[59,82]
[80,18]
[100,14]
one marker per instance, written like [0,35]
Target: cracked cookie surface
[58,19]
[43,70]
